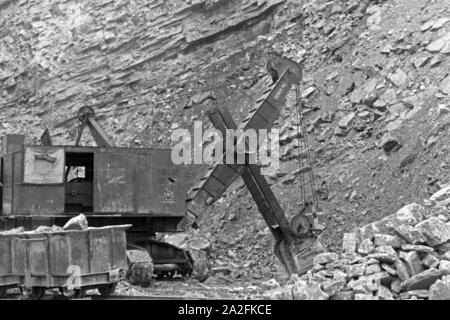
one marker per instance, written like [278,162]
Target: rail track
[99,297]
[146,297]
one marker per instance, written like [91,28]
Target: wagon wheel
[37,293]
[107,290]
[2,292]
[79,293]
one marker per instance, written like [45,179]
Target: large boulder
[187,241]
[422,281]
[332,287]
[442,197]
[413,262]
[364,285]
[435,231]
[198,248]
[355,270]
[140,267]
[410,214]
[344,295]
[402,270]
[384,293]
[77,223]
[349,242]
[410,234]
[366,247]
[270,284]
[444,267]
[326,257]
[387,240]
[308,291]
[282,293]
[440,290]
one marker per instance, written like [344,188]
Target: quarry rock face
[374,94]
[99,53]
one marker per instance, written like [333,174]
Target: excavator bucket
[305,252]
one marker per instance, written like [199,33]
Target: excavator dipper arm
[267,204]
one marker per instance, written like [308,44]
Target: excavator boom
[294,239]
[220,176]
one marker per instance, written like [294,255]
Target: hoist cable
[308,155]
[300,147]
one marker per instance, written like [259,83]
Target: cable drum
[300,225]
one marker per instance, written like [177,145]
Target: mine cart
[72,261]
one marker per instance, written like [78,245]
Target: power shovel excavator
[296,239]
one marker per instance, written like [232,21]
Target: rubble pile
[404,256]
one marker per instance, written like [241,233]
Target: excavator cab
[79,181]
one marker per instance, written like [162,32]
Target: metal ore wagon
[94,258]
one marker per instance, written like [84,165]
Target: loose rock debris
[402,256]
